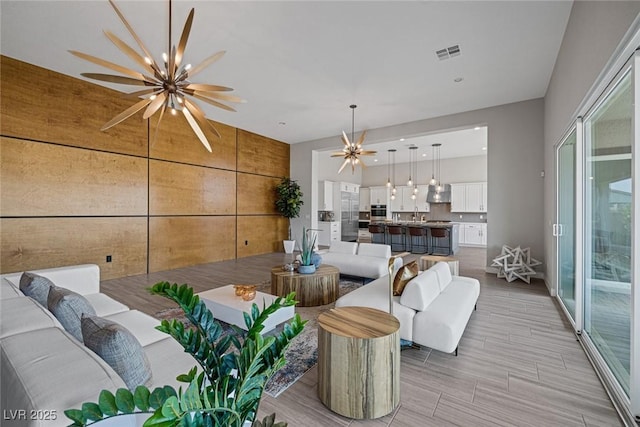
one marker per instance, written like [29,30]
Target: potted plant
[288,203]
[233,370]
[307,259]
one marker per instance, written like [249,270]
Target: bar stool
[397,238]
[439,233]
[377,233]
[418,240]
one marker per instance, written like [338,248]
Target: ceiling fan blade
[129,51]
[339,154]
[218,95]
[213,102]
[361,139]
[117,79]
[208,88]
[130,29]
[126,114]
[196,128]
[142,92]
[345,163]
[345,140]
[367,153]
[204,64]
[200,116]
[182,44]
[362,163]
[155,105]
[107,64]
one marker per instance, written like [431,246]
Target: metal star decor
[352,150]
[169,87]
[515,263]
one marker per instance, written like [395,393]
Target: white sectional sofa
[368,260]
[45,370]
[433,310]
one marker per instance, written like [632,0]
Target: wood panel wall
[151,201]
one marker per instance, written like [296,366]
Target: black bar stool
[436,235]
[377,233]
[397,238]
[418,240]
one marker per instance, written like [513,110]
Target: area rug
[302,354]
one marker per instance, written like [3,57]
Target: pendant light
[167,88]
[393,173]
[388,168]
[352,150]
[433,165]
[413,170]
[438,183]
[438,192]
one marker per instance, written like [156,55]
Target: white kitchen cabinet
[469,197]
[325,195]
[379,195]
[329,232]
[403,201]
[457,198]
[349,187]
[421,200]
[473,234]
[365,199]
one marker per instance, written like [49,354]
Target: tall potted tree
[288,203]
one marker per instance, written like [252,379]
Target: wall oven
[378,212]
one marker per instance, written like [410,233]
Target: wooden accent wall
[152,201]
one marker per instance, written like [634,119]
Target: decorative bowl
[247,292]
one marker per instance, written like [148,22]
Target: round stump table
[359,361]
[319,288]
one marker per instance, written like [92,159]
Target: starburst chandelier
[169,86]
[352,150]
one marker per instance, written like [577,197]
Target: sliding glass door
[608,137]
[565,226]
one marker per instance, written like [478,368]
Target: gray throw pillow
[119,348]
[68,308]
[36,287]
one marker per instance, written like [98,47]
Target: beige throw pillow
[403,276]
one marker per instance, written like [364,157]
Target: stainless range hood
[444,196]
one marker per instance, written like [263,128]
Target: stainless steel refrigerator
[349,215]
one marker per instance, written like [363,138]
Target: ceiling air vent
[448,52]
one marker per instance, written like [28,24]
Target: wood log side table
[359,361]
[319,288]
[427,261]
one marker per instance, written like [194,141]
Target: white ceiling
[304,62]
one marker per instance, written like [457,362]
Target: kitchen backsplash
[443,212]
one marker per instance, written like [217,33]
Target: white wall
[593,32]
[459,169]
[514,163]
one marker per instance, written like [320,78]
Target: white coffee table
[226,306]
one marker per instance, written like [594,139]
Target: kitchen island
[447,245]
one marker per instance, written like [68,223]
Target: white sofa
[433,310]
[368,260]
[46,370]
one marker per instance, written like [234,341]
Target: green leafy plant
[288,199]
[225,389]
[307,247]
